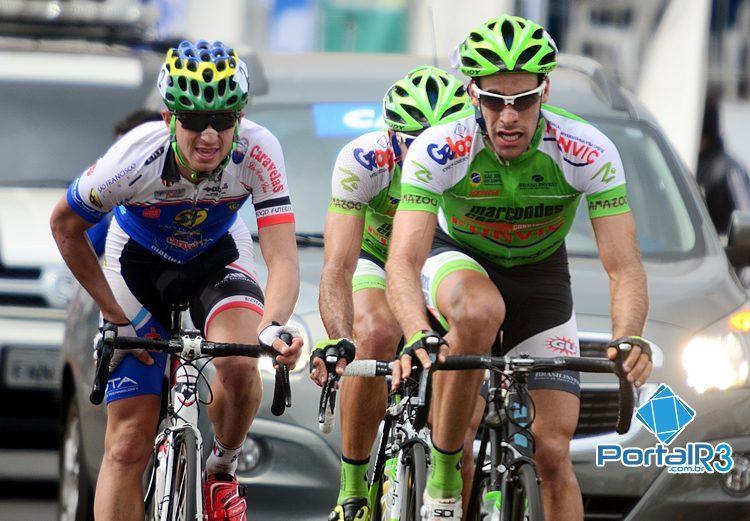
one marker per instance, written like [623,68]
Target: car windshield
[53,131]
[665,229]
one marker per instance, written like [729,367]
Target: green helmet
[507,44]
[203,76]
[426,96]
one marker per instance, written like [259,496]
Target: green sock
[445,475]
[353,479]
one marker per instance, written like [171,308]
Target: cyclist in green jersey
[498,191]
[365,194]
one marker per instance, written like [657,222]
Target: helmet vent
[208,75]
[192,66]
[443,80]
[394,116]
[232,99]
[206,56]
[169,96]
[208,94]
[476,37]
[528,54]
[400,91]
[460,91]
[178,64]
[451,110]
[548,58]
[416,114]
[538,34]
[508,32]
[221,65]
[491,27]
[195,88]
[186,101]
[433,91]
[169,67]
[189,53]
[221,88]
[491,57]
[469,62]
[182,83]
[170,81]
[232,63]
[232,83]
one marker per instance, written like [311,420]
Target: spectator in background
[724,181]
[98,232]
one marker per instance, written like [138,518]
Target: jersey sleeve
[357,178]
[602,179]
[267,181]
[108,182]
[428,171]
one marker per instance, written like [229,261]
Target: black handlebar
[282,394]
[626,396]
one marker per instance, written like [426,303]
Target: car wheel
[75,495]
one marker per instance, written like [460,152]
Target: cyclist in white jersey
[365,190]
[175,188]
[502,188]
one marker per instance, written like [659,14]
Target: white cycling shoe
[448,509]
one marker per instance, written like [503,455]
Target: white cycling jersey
[169,215]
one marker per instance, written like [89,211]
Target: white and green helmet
[426,96]
[507,44]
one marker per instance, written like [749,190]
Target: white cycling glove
[274,331]
[119,354]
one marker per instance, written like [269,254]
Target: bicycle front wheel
[526,494]
[184,492]
[413,483]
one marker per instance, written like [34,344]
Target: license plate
[31,368]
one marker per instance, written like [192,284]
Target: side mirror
[738,238]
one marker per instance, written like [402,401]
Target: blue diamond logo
[665,415]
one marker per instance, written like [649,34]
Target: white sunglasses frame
[509,100]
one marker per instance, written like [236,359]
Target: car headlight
[718,357]
[265,363]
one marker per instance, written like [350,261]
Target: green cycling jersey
[517,211]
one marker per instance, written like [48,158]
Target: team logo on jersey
[190,218]
[153,157]
[91,169]
[164,195]
[233,206]
[152,212]
[562,345]
[264,160]
[375,158]
[240,150]
[607,172]
[113,180]
[422,173]
[475,178]
[350,182]
[576,151]
[452,149]
[94,198]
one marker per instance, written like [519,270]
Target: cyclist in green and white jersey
[502,187]
[365,194]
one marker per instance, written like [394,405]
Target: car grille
[607,508]
[19,273]
[599,405]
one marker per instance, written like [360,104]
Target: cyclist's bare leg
[474,309]
[237,387]
[128,443]
[467,457]
[363,400]
[554,424]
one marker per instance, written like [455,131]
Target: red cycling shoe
[223,499]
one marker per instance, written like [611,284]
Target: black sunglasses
[520,102]
[199,121]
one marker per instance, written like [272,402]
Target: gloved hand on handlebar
[125,329]
[339,351]
[270,336]
[635,353]
[420,345]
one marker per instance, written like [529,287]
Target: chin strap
[194,174]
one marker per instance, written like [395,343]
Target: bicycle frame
[182,415]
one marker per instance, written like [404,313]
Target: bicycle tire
[183,506]
[413,483]
[526,494]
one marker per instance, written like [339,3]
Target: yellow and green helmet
[426,96]
[203,77]
[507,44]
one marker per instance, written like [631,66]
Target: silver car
[316,103]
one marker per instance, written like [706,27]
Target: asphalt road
[28,502]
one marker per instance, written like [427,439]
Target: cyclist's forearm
[282,290]
[629,301]
[335,302]
[404,294]
[78,254]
